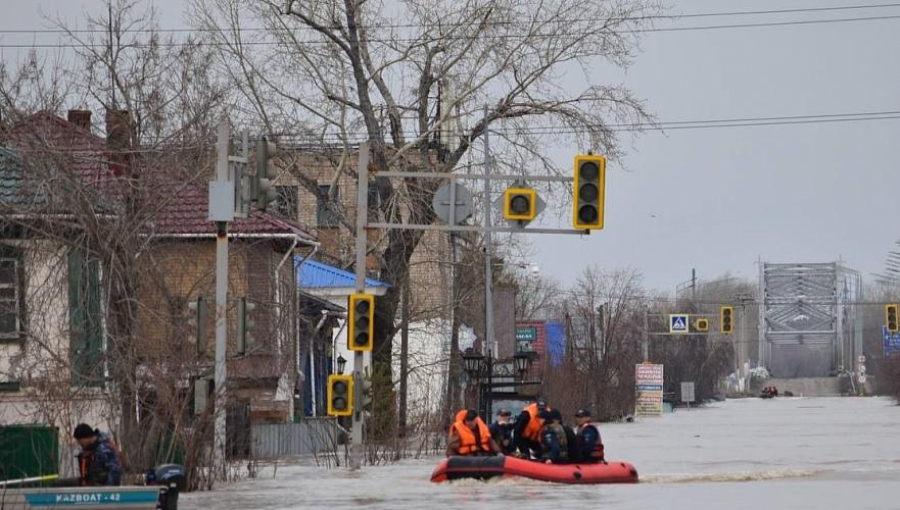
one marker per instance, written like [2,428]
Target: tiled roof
[315,275]
[181,208]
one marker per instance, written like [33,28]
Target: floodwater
[785,453]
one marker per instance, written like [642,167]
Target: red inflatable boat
[482,468]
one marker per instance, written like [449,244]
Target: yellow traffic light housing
[361,322]
[340,395]
[589,192]
[701,325]
[726,320]
[891,313]
[520,204]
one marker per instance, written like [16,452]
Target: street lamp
[472,363]
[522,360]
[341,363]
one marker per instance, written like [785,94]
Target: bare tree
[412,80]
[92,204]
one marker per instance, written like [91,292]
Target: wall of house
[182,270]
[429,266]
[41,361]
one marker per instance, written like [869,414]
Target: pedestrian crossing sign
[678,323]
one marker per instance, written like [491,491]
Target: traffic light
[361,322]
[261,189]
[520,204]
[891,313]
[590,188]
[365,390]
[340,395]
[245,324]
[726,320]
[701,325]
[197,321]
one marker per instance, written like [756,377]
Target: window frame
[11,254]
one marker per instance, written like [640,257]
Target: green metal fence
[28,450]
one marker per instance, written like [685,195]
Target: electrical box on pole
[589,192]
[360,322]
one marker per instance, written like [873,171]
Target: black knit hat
[83,430]
[583,413]
[471,415]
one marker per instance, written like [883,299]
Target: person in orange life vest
[469,435]
[98,461]
[527,431]
[590,445]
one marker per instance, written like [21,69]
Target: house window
[326,216]
[287,203]
[9,297]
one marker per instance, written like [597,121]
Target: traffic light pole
[362,217]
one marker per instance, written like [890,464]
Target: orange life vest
[532,431]
[467,445]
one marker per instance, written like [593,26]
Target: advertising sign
[648,380]
[525,338]
[891,343]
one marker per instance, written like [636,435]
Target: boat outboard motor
[172,478]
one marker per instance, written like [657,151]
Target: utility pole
[362,219]
[226,201]
[489,341]
[223,149]
[645,340]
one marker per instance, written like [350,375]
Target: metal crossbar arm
[472,228]
[475,177]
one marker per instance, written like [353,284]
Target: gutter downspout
[275,274]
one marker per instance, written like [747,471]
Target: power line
[662,126]
[488,23]
[483,36]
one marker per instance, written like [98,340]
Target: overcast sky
[720,199]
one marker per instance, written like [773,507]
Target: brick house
[315,212]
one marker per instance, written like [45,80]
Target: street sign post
[462,206]
[687,392]
[678,323]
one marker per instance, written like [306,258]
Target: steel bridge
[810,319]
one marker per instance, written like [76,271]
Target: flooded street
[796,453]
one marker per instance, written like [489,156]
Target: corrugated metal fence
[315,436]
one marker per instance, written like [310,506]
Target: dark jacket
[590,445]
[572,443]
[502,434]
[100,464]
[554,442]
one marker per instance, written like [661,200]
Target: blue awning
[315,275]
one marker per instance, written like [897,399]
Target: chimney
[118,140]
[80,118]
